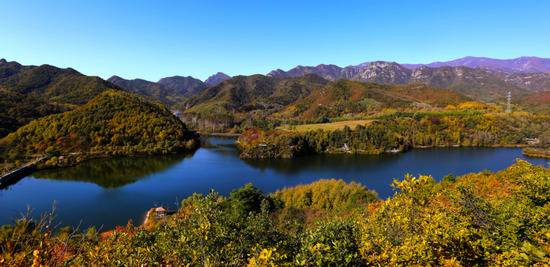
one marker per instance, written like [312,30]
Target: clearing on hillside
[325,126]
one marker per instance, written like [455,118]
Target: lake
[109,192]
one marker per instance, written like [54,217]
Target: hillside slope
[250,97]
[30,92]
[537,102]
[477,83]
[351,97]
[114,122]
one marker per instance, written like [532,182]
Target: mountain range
[169,90]
[520,64]
[31,92]
[479,77]
[483,78]
[333,72]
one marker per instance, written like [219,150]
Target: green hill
[248,93]
[246,98]
[114,122]
[30,92]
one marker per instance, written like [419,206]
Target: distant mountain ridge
[520,64]
[481,78]
[31,92]
[169,90]
[217,79]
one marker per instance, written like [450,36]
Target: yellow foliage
[472,105]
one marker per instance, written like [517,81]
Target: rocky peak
[217,79]
[115,79]
[278,73]
[384,72]
[421,73]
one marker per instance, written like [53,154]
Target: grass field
[325,126]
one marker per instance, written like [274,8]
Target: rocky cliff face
[383,72]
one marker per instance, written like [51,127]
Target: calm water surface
[108,192]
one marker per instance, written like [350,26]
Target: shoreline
[536,153]
[220,134]
[397,151]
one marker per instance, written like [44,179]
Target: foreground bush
[478,219]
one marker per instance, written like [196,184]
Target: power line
[509,104]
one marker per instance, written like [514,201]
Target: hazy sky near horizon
[154,39]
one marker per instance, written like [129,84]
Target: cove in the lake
[109,192]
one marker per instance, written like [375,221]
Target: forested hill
[253,93]
[251,98]
[114,122]
[257,99]
[169,90]
[343,97]
[30,92]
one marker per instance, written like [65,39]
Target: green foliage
[249,199]
[330,244]
[330,195]
[31,92]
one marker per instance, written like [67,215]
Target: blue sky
[154,39]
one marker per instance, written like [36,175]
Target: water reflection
[115,172]
[343,162]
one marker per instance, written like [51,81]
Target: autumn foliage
[113,123]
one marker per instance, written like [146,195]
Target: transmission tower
[509,103]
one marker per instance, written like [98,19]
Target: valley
[275,133]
